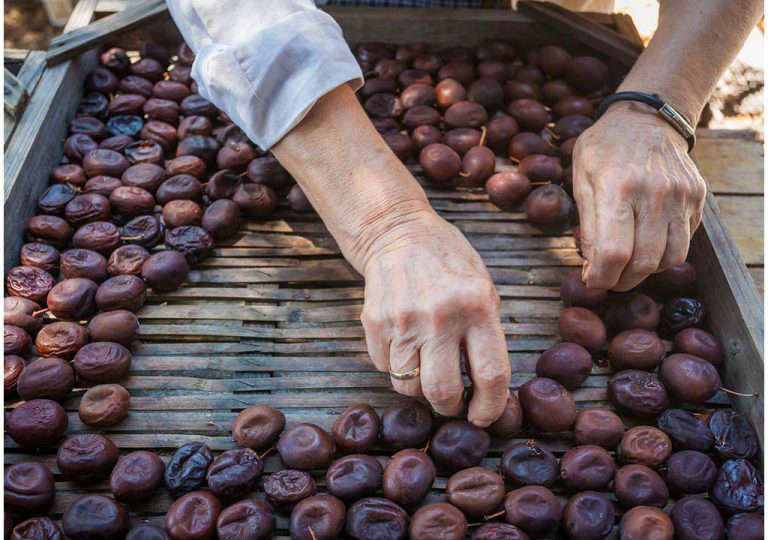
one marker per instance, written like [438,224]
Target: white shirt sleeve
[264,62]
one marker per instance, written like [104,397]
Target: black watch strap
[674,118]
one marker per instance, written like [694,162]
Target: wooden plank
[744,218]
[29,75]
[15,96]
[731,161]
[735,310]
[71,44]
[626,27]
[596,36]
[33,152]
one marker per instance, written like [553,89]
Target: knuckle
[614,255]
[403,319]
[644,265]
[406,389]
[442,394]
[494,374]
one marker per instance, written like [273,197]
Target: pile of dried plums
[154,175]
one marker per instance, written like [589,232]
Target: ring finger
[404,359]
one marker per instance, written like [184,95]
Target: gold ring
[404,376]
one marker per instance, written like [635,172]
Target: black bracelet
[667,112]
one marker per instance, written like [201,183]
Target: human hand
[428,296]
[639,194]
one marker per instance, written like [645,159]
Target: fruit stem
[554,135]
[733,392]
[368,74]
[540,184]
[312,533]
[464,174]
[39,312]
[426,447]
[482,137]
[494,516]
[79,190]
[129,238]
[514,160]
[266,452]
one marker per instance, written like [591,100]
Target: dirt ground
[736,104]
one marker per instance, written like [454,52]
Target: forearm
[695,42]
[354,181]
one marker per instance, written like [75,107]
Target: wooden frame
[735,307]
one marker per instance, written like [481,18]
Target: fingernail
[584,271]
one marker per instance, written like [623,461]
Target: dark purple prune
[305,447]
[695,518]
[146,151]
[19,312]
[149,68]
[356,429]
[475,491]
[412,76]
[235,156]
[645,445]
[126,104]
[549,207]
[185,54]
[268,171]
[441,164]
[40,255]
[638,392]
[567,363]
[181,186]
[438,520]
[534,509]
[173,90]
[73,299]
[287,487]
[36,528]
[55,199]
[700,343]
[677,281]
[687,431]
[133,84]
[320,517]
[689,378]
[146,176]
[39,423]
[187,469]
[401,144]
[197,105]
[193,516]
[250,519]
[84,263]
[165,271]
[193,242]
[104,162]
[255,200]
[118,143]
[679,314]
[121,292]
[734,436]
[384,106]
[638,485]
[101,80]
[449,92]
[162,133]
[61,339]
[636,349]
[547,405]
[77,146]
[588,516]
[102,362]
[99,236]
[70,173]
[119,326]
[86,208]
[406,425]
[86,458]
[29,282]
[202,146]
[221,219]
[127,125]
[508,424]
[354,477]
[689,471]
[137,476]
[95,516]
[127,260]
[222,185]
[15,340]
[162,110]
[465,114]
[498,531]
[458,444]
[29,487]
[378,518]
[195,125]
[529,114]
[116,61]
[153,49]
[744,526]
[587,467]
[180,212]
[234,473]
[408,477]
[525,463]
[144,231]
[50,230]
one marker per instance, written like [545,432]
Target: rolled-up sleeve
[264,62]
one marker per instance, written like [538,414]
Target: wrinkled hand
[428,296]
[640,197]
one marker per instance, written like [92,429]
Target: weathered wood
[735,310]
[731,160]
[32,151]
[71,44]
[15,96]
[744,217]
[28,76]
[596,36]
